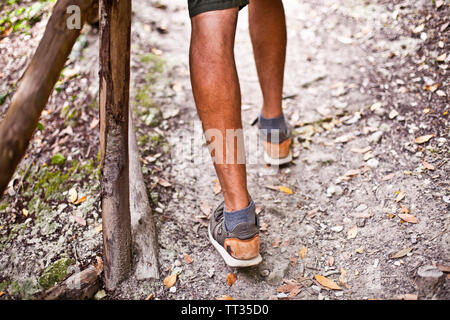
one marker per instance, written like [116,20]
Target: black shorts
[199,6]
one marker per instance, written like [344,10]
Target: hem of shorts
[219,6]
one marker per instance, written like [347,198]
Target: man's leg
[216,90]
[268,34]
[233,228]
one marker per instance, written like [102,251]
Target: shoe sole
[277,162]
[229,260]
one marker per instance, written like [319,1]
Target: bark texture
[36,86]
[115,34]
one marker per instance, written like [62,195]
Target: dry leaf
[187,258]
[405,209]
[419,28]
[303,252]
[99,266]
[150,296]
[407,296]
[164,182]
[400,196]
[224,297]
[216,187]
[276,244]
[327,283]
[81,200]
[169,281]
[343,277]
[427,165]
[401,253]
[443,268]
[25,212]
[432,88]
[352,232]
[2,293]
[345,138]
[73,195]
[293,261]
[362,150]
[285,189]
[330,261]
[423,139]
[408,217]
[388,177]
[231,278]
[99,228]
[205,207]
[352,173]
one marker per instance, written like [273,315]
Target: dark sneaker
[240,247]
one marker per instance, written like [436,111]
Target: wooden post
[36,86]
[115,37]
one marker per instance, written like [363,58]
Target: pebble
[361,207]
[173,289]
[316,288]
[339,293]
[337,228]
[373,163]
[375,137]
[264,273]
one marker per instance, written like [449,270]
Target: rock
[277,275]
[373,163]
[264,273]
[430,281]
[375,137]
[337,228]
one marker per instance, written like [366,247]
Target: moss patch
[55,273]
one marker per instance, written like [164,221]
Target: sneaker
[240,247]
[277,146]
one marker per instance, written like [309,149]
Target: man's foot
[276,137]
[240,247]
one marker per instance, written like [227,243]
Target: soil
[358,75]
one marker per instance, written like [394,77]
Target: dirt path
[356,91]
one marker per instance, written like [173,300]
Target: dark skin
[215,83]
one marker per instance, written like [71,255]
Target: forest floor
[365,203]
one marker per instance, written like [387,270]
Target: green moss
[4,285]
[25,289]
[55,273]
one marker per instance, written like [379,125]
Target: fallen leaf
[150,296]
[25,212]
[285,189]
[293,261]
[2,293]
[276,244]
[99,266]
[443,268]
[360,250]
[343,277]
[327,283]
[361,150]
[401,253]
[345,138]
[419,28]
[388,177]
[352,232]
[407,296]
[99,228]
[330,261]
[303,252]
[205,207]
[423,139]
[81,200]
[441,58]
[231,278]
[169,281]
[352,173]
[432,88]
[164,182]
[187,258]
[224,297]
[405,209]
[73,195]
[400,196]
[216,187]
[427,165]
[408,217]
